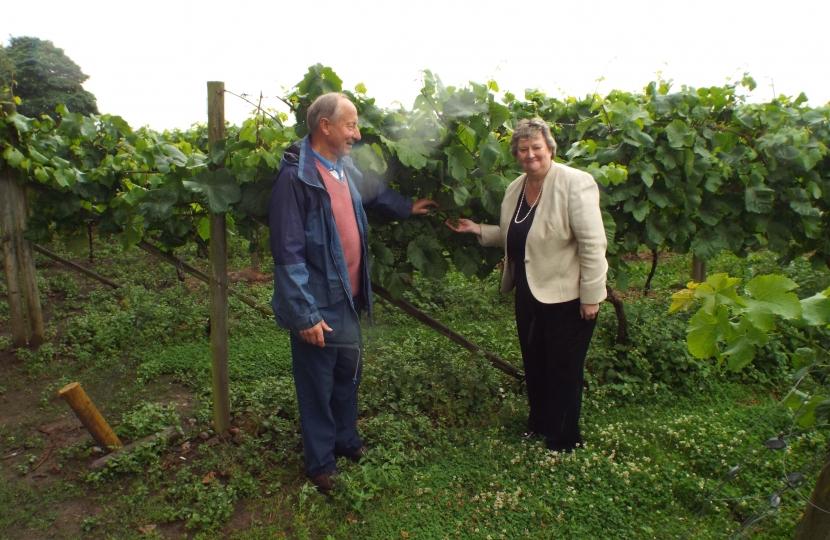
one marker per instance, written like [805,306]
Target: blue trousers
[327,380]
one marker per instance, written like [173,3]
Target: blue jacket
[311,281]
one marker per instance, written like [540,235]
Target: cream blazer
[565,251]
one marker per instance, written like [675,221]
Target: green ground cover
[662,429]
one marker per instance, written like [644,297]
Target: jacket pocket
[324,291]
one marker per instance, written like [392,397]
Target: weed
[64,284]
[146,419]
[202,505]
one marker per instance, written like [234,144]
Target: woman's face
[534,155]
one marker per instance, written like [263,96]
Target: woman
[551,229]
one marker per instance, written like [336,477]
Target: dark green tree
[43,77]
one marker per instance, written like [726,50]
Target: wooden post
[256,237]
[89,234]
[255,257]
[816,521]
[90,417]
[218,277]
[698,269]
[10,264]
[15,212]
[28,273]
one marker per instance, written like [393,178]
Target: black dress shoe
[562,448]
[363,451]
[325,482]
[527,435]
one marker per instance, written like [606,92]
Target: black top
[517,239]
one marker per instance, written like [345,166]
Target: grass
[662,429]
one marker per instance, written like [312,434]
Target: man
[319,235]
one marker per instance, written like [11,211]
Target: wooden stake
[11,266]
[170,435]
[218,277]
[255,238]
[446,331]
[89,233]
[86,271]
[201,276]
[255,258]
[90,417]
[698,270]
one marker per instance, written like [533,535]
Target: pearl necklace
[516,219]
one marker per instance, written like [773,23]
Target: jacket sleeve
[379,197]
[586,223]
[491,236]
[293,305]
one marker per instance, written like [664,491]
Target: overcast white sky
[149,61]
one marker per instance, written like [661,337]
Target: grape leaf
[680,134]
[771,294]
[704,330]
[739,353]
[217,189]
[463,104]
[157,204]
[466,260]
[816,310]
[425,254]
[411,152]
[716,291]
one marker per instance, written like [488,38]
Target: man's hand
[421,206]
[588,311]
[314,335]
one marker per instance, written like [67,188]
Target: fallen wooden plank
[170,435]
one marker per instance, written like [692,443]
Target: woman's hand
[465,226]
[588,311]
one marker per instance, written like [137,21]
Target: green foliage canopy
[680,170]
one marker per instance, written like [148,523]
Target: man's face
[343,132]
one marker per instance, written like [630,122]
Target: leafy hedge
[688,169]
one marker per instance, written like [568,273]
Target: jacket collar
[301,155]
[307,165]
[308,169]
[514,190]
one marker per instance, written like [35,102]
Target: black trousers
[554,341]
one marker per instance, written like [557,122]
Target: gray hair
[530,129]
[325,106]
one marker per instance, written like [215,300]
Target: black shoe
[325,482]
[357,455]
[527,435]
[563,449]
